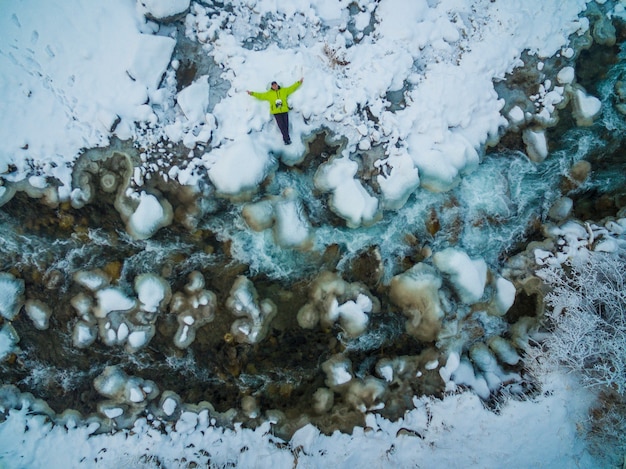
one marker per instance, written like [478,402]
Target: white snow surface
[194,99]
[456,432]
[71,68]
[164,8]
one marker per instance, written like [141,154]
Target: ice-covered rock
[566,76]
[121,388]
[170,404]
[237,168]
[561,209]
[441,163]
[349,199]
[8,340]
[38,312]
[7,191]
[354,315]
[366,394]
[112,299]
[504,350]
[150,215]
[149,57]
[465,375]
[338,371]
[187,422]
[504,296]
[84,334]
[154,292]
[250,407]
[111,383]
[397,180]
[416,293]
[114,329]
[285,215]
[255,315]
[92,279]
[332,299]
[322,400]
[194,308]
[138,337]
[516,116]
[11,295]
[468,276]
[259,215]
[292,228]
[585,107]
[536,144]
[485,361]
[194,99]
[111,410]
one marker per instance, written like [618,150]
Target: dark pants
[282,120]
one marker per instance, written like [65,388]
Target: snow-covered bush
[587,312]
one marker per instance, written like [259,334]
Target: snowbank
[549,426]
[443,66]
[71,73]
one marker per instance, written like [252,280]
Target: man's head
[274,85]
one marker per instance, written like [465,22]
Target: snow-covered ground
[75,74]
[66,83]
[455,432]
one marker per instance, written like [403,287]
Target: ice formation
[127,395]
[149,216]
[285,215]
[236,169]
[468,276]
[153,292]
[504,296]
[11,295]
[586,107]
[332,299]
[349,199]
[8,340]
[338,371]
[194,307]
[416,293]
[112,315]
[254,314]
[38,312]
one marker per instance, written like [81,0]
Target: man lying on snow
[279,108]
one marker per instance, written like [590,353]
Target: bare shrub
[587,317]
[335,57]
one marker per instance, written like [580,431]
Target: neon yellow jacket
[275,97]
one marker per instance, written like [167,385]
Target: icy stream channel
[140,295]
